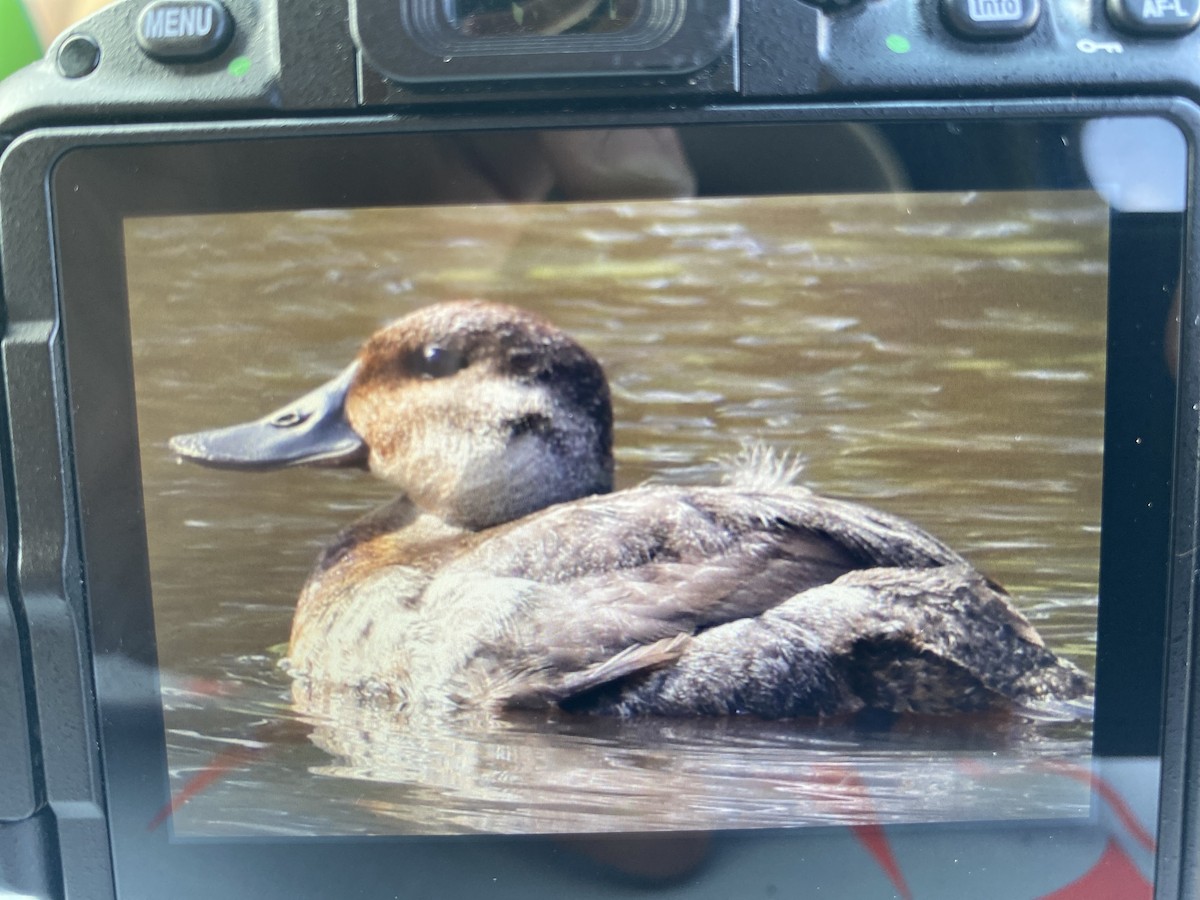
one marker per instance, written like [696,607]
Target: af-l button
[992,19]
[176,31]
[1155,17]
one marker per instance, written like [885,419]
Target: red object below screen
[1113,877]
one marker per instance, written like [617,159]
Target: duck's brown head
[480,413]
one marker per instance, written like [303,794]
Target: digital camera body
[162,150]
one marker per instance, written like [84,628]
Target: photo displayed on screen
[831,558]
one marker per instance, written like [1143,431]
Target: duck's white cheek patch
[496,479]
[439,465]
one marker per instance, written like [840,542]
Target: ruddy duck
[507,573]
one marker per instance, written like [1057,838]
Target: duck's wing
[927,641]
[638,527]
[592,593]
[701,555]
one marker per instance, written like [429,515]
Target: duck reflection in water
[508,575]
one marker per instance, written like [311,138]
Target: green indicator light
[898,43]
[239,66]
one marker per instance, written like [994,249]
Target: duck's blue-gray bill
[311,431]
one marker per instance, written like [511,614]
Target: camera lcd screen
[940,356]
[931,340]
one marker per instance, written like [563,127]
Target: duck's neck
[527,478]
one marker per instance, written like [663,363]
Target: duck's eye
[522,362]
[436,361]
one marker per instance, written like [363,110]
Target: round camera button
[78,55]
[179,31]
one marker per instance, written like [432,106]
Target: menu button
[184,30]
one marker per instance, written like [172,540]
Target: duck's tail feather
[759,467]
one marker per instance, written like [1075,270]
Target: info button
[991,19]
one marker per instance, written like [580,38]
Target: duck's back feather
[685,600]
